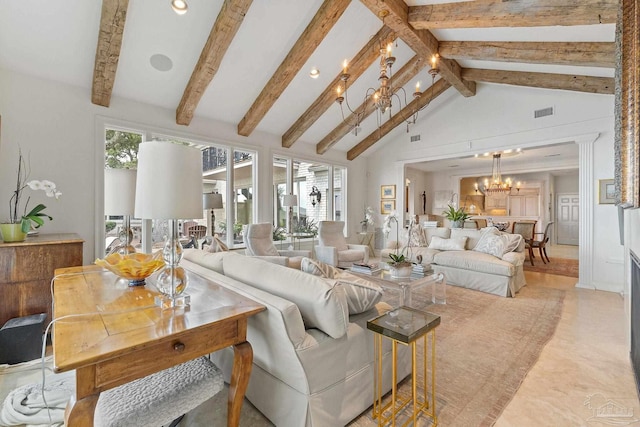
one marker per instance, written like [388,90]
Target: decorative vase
[456,224]
[12,233]
[401,272]
[364,228]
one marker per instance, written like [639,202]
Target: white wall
[501,117]
[566,183]
[56,125]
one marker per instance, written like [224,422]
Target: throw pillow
[486,234]
[492,245]
[453,244]
[217,245]
[362,295]
[416,236]
[317,268]
[513,241]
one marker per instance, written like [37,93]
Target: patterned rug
[559,266]
[485,347]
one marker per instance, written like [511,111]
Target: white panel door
[567,220]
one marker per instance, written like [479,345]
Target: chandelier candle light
[497,186]
[169,187]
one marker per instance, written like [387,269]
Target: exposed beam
[587,54]
[399,79]
[513,13]
[114,14]
[438,88]
[358,65]
[224,29]
[394,13]
[589,84]
[312,36]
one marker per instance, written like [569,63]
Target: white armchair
[333,248]
[259,241]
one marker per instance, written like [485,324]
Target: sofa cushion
[452,244]
[475,261]
[473,236]
[322,303]
[492,244]
[362,294]
[429,232]
[210,260]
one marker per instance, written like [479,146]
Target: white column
[586,187]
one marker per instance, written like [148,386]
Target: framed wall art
[386,206]
[607,192]
[388,191]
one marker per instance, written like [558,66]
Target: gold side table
[366,238]
[405,326]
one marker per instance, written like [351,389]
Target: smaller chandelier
[496,186]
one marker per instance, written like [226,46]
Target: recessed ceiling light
[161,62]
[314,73]
[179,6]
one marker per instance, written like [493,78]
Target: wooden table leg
[80,413]
[242,360]
[82,405]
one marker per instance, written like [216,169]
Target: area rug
[559,266]
[485,347]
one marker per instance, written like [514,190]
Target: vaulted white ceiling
[56,40]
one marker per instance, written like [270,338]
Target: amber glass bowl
[133,267]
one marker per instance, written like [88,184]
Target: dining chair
[526,229]
[542,242]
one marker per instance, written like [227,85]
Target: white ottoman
[159,398]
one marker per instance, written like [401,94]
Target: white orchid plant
[368,216]
[36,215]
[398,258]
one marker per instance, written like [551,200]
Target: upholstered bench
[159,398]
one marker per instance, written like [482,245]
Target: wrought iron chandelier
[496,186]
[382,97]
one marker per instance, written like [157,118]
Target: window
[319,188]
[235,184]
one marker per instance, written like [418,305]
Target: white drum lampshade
[289,200]
[119,191]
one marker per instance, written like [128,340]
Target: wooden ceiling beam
[587,54]
[222,33]
[513,13]
[438,88]
[358,65]
[394,13]
[328,14]
[399,79]
[589,84]
[112,20]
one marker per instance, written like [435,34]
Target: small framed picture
[386,206]
[607,192]
[387,191]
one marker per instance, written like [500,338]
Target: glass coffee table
[407,286]
[406,326]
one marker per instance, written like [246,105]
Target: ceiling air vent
[543,112]
[415,138]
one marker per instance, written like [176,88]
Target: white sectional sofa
[468,265]
[312,359]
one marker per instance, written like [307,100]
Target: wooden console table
[120,335]
[26,270]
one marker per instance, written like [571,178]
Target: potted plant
[21,221]
[456,216]
[400,267]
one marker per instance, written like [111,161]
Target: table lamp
[119,199]
[289,200]
[212,201]
[169,186]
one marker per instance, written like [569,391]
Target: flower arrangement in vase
[368,219]
[399,266]
[20,220]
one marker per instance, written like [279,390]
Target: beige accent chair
[259,241]
[527,230]
[333,248]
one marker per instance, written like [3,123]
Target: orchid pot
[12,233]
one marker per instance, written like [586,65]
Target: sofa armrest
[293,253]
[327,254]
[515,258]
[364,248]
